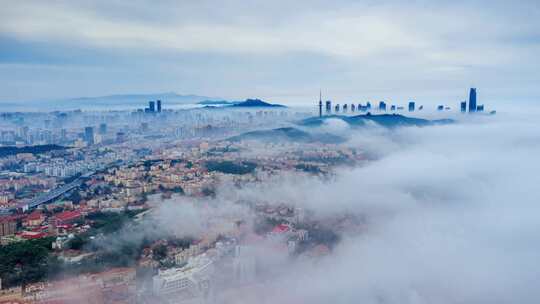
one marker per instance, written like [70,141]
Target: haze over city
[269,152]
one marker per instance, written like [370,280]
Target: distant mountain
[142,99]
[257,103]
[215,102]
[385,120]
[124,101]
[287,134]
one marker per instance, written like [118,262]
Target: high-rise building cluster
[153,107]
[382,107]
[473,107]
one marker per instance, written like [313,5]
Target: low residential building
[34,219]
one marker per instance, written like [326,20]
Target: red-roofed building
[34,219]
[31,235]
[281,228]
[67,217]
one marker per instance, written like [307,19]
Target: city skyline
[242,152]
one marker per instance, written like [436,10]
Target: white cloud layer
[452,217]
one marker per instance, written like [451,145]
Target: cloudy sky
[431,51]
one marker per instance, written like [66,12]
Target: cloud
[451,218]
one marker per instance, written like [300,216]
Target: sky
[284,51]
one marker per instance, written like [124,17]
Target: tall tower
[472,100]
[328,107]
[158,105]
[463,106]
[411,106]
[89,135]
[320,103]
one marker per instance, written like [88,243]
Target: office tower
[463,106]
[328,107]
[440,108]
[158,105]
[353,107]
[420,108]
[151,106]
[368,105]
[320,104]
[382,106]
[89,135]
[392,108]
[345,108]
[472,100]
[480,108]
[103,129]
[337,108]
[120,137]
[411,106]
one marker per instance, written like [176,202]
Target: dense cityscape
[242,152]
[75,182]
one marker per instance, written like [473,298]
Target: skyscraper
[382,106]
[345,108]
[120,137]
[158,105]
[337,108]
[411,106]
[463,106]
[320,104]
[151,106]
[328,107]
[89,135]
[353,107]
[472,100]
[103,128]
[368,105]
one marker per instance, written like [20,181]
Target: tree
[77,243]
[159,252]
[75,197]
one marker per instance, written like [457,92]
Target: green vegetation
[75,196]
[7,151]
[109,222]
[159,252]
[26,262]
[230,167]
[308,168]
[178,189]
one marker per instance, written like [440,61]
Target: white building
[185,283]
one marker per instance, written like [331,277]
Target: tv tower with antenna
[320,103]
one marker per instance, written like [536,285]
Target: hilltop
[257,103]
[385,120]
[287,134]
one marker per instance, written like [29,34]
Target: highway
[55,193]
